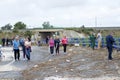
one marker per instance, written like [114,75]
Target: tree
[7,27]
[20,25]
[15,31]
[46,25]
[28,33]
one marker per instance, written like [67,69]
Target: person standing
[3,42]
[64,43]
[7,41]
[92,40]
[27,48]
[57,44]
[22,41]
[109,41]
[16,46]
[51,45]
[47,39]
[99,39]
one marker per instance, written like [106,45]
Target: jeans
[28,53]
[24,51]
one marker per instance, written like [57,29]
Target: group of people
[54,44]
[93,38]
[25,43]
[109,42]
[6,41]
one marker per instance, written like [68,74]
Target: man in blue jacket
[109,41]
[16,46]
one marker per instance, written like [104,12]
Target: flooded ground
[79,63]
[11,69]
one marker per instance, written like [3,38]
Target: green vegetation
[28,33]
[46,25]
[81,29]
[19,26]
[6,27]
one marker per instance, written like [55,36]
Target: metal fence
[86,41]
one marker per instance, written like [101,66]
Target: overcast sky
[61,13]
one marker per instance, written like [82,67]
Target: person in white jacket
[99,39]
[28,48]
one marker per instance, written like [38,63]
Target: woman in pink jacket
[64,43]
[51,45]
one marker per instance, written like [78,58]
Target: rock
[70,49]
[118,71]
[35,66]
[67,60]
[82,59]
[71,69]
[56,71]
[49,60]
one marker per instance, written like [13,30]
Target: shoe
[110,59]
[65,53]
[52,54]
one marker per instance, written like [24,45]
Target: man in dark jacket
[3,42]
[109,42]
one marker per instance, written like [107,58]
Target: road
[11,69]
[79,63]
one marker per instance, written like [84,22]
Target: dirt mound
[73,34]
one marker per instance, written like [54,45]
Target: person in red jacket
[64,43]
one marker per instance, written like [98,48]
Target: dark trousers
[23,49]
[3,44]
[16,54]
[109,52]
[57,49]
[64,47]
[52,49]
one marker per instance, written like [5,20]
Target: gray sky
[61,12]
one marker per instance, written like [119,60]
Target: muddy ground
[80,63]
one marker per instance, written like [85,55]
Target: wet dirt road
[11,69]
[78,64]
